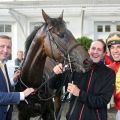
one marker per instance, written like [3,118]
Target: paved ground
[111,114]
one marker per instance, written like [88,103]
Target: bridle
[66,54]
[67,61]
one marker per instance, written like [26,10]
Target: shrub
[85,42]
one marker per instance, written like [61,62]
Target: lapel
[3,85]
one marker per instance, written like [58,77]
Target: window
[1,28]
[5,28]
[118,27]
[99,28]
[107,28]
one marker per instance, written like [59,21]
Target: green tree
[85,42]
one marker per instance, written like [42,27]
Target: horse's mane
[30,38]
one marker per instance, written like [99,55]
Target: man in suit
[7,96]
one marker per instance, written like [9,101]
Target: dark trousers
[9,114]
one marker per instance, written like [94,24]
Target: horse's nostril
[86,62]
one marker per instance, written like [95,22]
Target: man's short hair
[5,37]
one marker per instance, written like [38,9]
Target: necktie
[4,70]
[5,75]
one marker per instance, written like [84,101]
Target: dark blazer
[7,98]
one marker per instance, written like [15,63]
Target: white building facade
[94,19]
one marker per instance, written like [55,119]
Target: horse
[50,40]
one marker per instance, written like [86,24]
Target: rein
[67,65]
[67,60]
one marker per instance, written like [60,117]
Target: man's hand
[16,75]
[28,91]
[73,89]
[58,69]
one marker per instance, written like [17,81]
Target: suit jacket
[7,98]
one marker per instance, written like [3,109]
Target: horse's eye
[61,35]
[50,28]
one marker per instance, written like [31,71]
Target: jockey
[113,43]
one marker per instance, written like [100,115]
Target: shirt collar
[4,62]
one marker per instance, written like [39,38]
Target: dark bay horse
[55,41]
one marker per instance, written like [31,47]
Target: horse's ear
[61,16]
[45,16]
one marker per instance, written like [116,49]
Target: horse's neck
[33,75]
[33,66]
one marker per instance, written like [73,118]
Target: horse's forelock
[57,22]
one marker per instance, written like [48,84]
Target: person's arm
[9,98]
[16,76]
[14,97]
[57,79]
[12,76]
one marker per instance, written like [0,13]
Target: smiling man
[91,91]
[97,51]
[7,96]
[113,43]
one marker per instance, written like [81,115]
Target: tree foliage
[85,42]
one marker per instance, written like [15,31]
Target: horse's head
[54,40]
[61,45]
